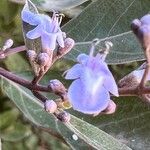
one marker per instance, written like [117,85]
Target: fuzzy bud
[69,43]
[141,28]
[136,23]
[43,59]
[50,106]
[131,80]
[8,44]
[63,116]
[57,87]
[31,54]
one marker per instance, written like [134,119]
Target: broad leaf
[108,20]
[49,5]
[33,110]
[129,124]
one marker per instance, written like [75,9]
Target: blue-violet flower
[47,28]
[89,92]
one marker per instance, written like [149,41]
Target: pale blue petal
[35,33]
[60,39]
[92,82]
[49,40]
[74,72]
[82,58]
[46,22]
[31,18]
[83,101]
[110,85]
[145,19]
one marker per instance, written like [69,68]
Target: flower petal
[83,101]
[82,58]
[145,19]
[29,17]
[110,85]
[35,33]
[74,72]
[60,39]
[48,40]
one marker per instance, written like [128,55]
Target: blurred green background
[16,132]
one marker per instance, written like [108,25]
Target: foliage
[108,20]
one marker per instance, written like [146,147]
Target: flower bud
[136,23]
[130,80]
[133,80]
[57,87]
[8,44]
[43,59]
[63,116]
[50,106]
[141,28]
[31,54]
[69,43]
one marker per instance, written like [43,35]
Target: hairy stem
[23,82]
[147,69]
[11,51]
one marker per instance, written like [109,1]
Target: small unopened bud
[31,54]
[136,23]
[8,44]
[43,59]
[131,80]
[50,106]
[63,116]
[69,43]
[111,108]
[141,28]
[57,87]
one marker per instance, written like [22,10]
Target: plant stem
[23,82]
[147,69]
[11,51]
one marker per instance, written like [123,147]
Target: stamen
[93,45]
[60,17]
[105,51]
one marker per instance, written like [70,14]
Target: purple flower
[47,28]
[89,92]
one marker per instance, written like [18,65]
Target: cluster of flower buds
[52,38]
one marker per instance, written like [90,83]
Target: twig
[23,82]
[11,51]
[40,96]
[147,69]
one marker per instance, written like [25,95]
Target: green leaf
[7,118]
[49,5]
[108,20]
[59,4]
[33,110]
[8,11]
[15,132]
[12,64]
[94,136]
[129,124]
